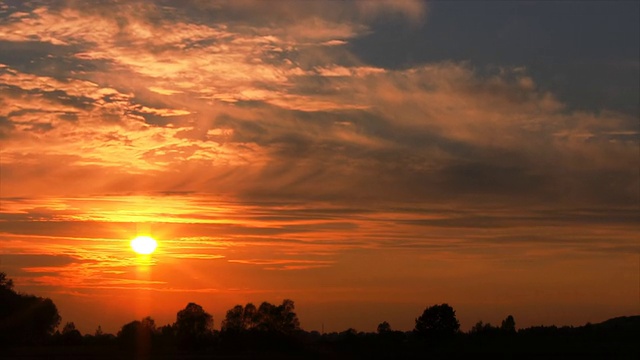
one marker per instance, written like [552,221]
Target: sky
[365,159]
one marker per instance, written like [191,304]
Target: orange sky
[271,159]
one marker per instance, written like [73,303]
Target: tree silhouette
[240,319]
[98,332]
[484,329]
[250,316]
[138,336]
[280,319]
[437,321]
[24,319]
[509,325]
[99,337]
[288,320]
[233,321]
[193,325]
[5,284]
[267,318]
[70,335]
[384,328]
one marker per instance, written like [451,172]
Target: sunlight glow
[144,245]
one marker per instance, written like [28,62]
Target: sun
[144,245]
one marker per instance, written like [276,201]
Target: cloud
[299,231]
[284,264]
[414,10]
[438,126]
[18,264]
[165,100]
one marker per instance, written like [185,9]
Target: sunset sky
[366,159]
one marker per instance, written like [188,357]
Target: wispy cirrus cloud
[284,264]
[440,123]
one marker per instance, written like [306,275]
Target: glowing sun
[144,245]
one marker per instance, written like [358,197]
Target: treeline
[29,326]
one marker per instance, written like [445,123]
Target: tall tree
[288,318]
[193,325]
[437,321]
[250,316]
[71,335]
[138,335]
[234,321]
[508,325]
[280,319]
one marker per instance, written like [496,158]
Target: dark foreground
[28,326]
[617,338]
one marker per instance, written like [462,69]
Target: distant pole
[322,328]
